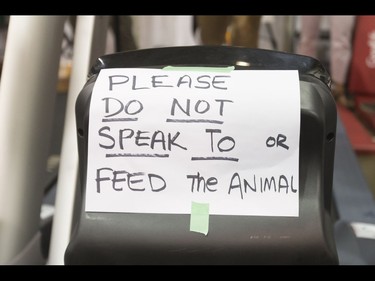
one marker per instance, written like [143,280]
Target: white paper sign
[160,139]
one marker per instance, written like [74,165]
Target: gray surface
[351,192]
[354,203]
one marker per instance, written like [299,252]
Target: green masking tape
[199,218]
[199,68]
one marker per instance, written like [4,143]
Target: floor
[362,139]
[367,163]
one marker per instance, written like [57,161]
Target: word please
[157,81]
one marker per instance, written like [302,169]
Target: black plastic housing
[123,238]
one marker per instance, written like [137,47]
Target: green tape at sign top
[199,218]
[199,68]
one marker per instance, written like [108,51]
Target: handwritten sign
[161,139]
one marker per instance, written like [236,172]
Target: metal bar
[27,96]
[89,43]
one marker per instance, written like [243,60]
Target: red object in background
[360,139]
[361,80]
[362,69]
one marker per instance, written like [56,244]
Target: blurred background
[344,44]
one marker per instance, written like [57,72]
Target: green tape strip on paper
[199,218]
[199,68]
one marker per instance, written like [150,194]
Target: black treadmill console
[122,232]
